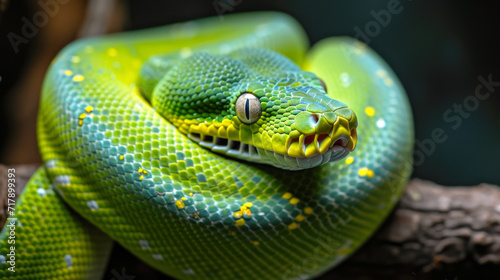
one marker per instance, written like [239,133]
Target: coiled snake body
[205,150]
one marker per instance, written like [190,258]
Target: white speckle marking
[50,164]
[345,79]
[381,73]
[62,180]
[69,261]
[2,259]
[144,244]
[41,192]
[157,257]
[380,123]
[92,205]
[138,107]
[188,271]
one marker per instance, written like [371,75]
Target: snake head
[256,105]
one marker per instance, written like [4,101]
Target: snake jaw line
[302,151]
[336,151]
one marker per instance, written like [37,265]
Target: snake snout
[331,133]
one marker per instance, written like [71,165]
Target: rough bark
[435,232]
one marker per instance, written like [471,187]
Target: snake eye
[248,108]
[322,84]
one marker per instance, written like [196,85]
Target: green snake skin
[154,177]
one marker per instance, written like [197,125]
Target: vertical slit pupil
[247,108]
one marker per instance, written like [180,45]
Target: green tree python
[211,150]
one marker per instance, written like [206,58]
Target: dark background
[438,49]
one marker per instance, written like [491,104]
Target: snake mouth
[308,145]
[311,145]
[303,151]
[226,146]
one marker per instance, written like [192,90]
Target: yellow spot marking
[239,222]
[349,160]
[140,170]
[294,200]
[308,210]
[68,72]
[256,243]
[300,218]
[248,204]
[144,172]
[190,194]
[82,116]
[179,204]
[141,177]
[287,195]
[370,173]
[243,208]
[362,171]
[80,122]
[366,172]
[292,226]
[370,111]
[89,109]
[112,52]
[233,233]
[78,78]
[121,157]
[388,81]
[238,214]
[248,212]
[75,59]
[183,198]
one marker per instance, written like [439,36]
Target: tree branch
[435,232]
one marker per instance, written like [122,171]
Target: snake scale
[207,150]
